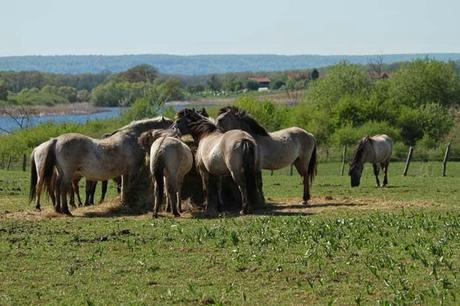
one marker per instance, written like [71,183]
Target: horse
[96,159]
[90,190]
[278,149]
[376,150]
[233,153]
[170,161]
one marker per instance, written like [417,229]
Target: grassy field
[367,245]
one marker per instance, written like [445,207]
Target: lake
[8,124]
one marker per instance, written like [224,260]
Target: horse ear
[204,113]
[163,119]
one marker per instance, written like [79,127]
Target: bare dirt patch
[288,206]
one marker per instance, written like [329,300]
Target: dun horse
[170,161]
[278,149]
[232,153]
[376,150]
[76,155]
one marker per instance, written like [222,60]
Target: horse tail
[312,165]
[33,178]
[250,165]
[158,169]
[157,172]
[49,176]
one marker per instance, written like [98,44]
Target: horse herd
[233,145]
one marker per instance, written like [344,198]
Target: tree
[83,95]
[341,79]
[425,81]
[314,74]
[3,91]
[214,83]
[140,73]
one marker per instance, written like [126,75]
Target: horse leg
[376,173]
[124,188]
[117,181]
[93,192]
[103,190]
[172,196]
[57,194]
[72,196]
[385,170]
[39,187]
[157,199]
[302,169]
[88,186]
[220,197]
[77,191]
[178,191]
[260,190]
[240,181]
[66,188]
[210,205]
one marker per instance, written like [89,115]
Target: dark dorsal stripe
[254,127]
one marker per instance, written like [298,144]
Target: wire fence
[339,155]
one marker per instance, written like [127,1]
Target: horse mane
[360,150]
[254,127]
[198,124]
[139,126]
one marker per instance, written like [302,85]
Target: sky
[326,27]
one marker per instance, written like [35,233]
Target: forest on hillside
[198,64]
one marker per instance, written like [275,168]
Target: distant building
[263,83]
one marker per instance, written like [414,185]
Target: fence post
[444,161]
[9,163]
[344,155]
[409,157]
[291,170]
[271,173]
[24,162]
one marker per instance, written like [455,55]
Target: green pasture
[368,245]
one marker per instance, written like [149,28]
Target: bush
[425,81]
[341,80]
[349,135]
[141,109]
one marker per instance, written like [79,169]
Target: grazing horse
[233,153]
[376,150]
[76,155]
[170,161]
[278,149]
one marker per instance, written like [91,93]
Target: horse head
[357,163]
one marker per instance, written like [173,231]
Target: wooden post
[409,157]
[271,173]
[9,163]
[344,156]
[444,161]
[24,162]
[291,170]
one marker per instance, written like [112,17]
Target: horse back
[383,147]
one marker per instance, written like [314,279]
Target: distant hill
[196,64]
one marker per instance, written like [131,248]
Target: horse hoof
[155,216]
[38,209]
[304,203]
[243,212]
[176,215]
[67,212]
